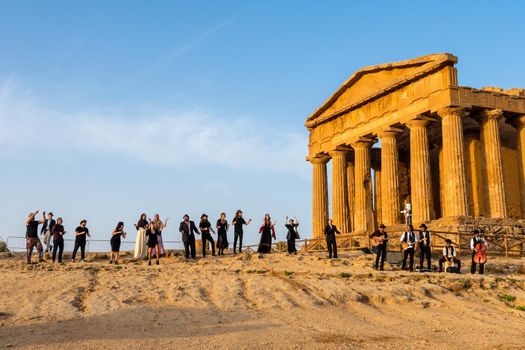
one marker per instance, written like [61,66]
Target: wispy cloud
[155,136]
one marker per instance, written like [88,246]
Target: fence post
[305,245]
[459,243]
[506,245]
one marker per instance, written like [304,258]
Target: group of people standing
[53,233]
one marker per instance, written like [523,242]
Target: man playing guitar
[379,240]
[408,242]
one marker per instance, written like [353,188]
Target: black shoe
[149,263]
[382,269]
[111,261]
[158,262]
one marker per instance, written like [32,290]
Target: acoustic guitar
[377,240]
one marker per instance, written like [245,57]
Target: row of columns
[352,185]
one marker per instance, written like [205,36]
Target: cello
[479,256]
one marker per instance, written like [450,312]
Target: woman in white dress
[140,241]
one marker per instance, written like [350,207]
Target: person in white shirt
[410,239]
[449,254]
[478,238]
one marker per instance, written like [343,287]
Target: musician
[329,232]
[425,240]
[409,240]
[381,236]
[478,238]
[238,222]
[449,254]
[292,234]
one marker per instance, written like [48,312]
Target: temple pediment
[373,81]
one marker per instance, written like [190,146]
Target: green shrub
[507,298]
[3,247]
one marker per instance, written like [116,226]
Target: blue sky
[111,108]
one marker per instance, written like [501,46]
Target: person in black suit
[329,232]
[47,231]
[187,228]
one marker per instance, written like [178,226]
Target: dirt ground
[253,301]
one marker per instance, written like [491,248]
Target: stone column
[340,190]
[377,196]
[475,177]
[455,191]
[351,192]
[420,175]
[519,124]
[494,165]
[390,211]
[363,185]
[319,196]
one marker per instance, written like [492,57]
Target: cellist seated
[478,244]
[449,256]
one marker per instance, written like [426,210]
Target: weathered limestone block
[340,215]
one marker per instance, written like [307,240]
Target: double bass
[479,256]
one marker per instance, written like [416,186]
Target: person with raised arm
[159,226]
[292,234]
[58,239]
[115,241]
[267,231]
[140,240]
[205,227]
[222,233]
[81,234]
[329,231]
[32,239]
[238,222]
[187,228]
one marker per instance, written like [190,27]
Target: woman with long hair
[140,241]
[267,231]
[222,237]
[115,242]
[153,243]
[159,226]
[58,239]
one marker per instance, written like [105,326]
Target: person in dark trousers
[222,233]
[382,237]
[81,234]
[478,238]
[32,239]
[152,233]
[115,241]
[409,240]
[205,227]
[238,222]
[449,255]
[58,239]
[47,231]
[329,232]
[425,240]
[292,234]
[187,228]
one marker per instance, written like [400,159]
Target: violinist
[478,244]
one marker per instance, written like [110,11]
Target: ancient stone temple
[406,132]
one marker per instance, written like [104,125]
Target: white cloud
[157,136]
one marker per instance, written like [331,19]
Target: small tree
[3,247]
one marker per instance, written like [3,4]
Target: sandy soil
[253,302]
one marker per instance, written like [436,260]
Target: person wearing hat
[331,244]
[425,240]
[238,222]
[449,255]
[409,239]
[81,234]
[381,238]
[32,240]
[478,238]
[46,231]
[205,227]
[291,225]
[187,228]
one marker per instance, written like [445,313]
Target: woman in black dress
[58,239]
[153,242]
[222,238]
[267,231]
[115,242]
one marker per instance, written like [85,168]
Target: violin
[480,257]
